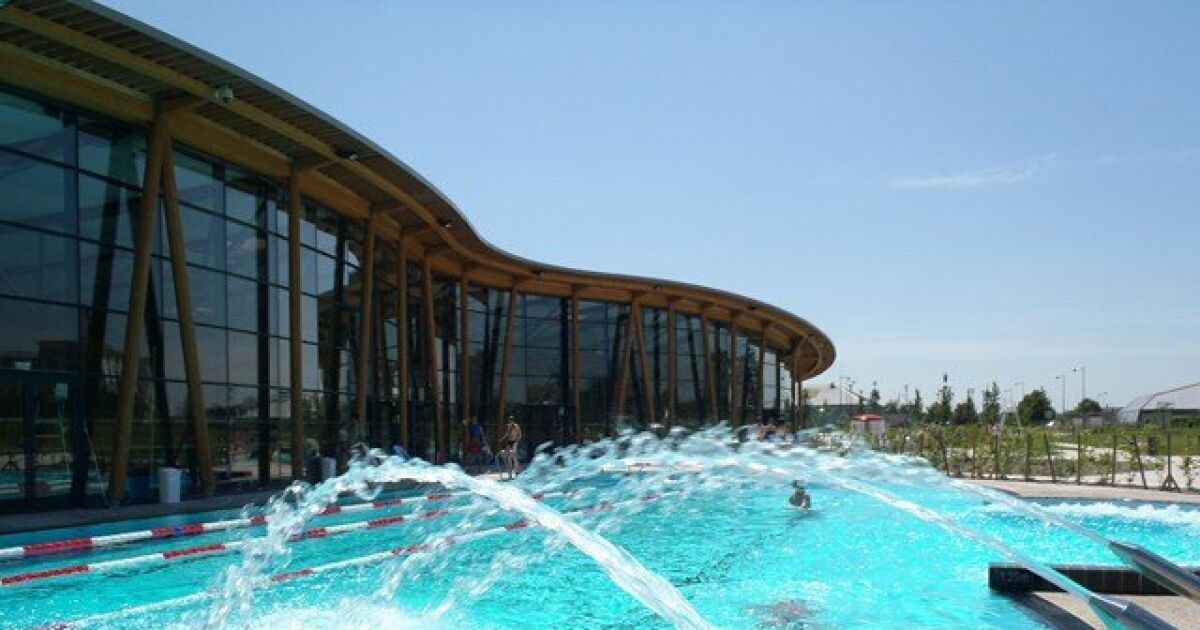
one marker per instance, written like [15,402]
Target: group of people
[478,452]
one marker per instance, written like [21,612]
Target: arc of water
[649,588]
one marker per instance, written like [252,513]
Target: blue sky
[997,191]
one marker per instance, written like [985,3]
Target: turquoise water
[728,542]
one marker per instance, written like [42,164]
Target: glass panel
[197,182]
[241,205]
[52,439]
[203,238]
[242,465]
[243,303]
[107,213]
[34,193]
[111,151]
[243,358]
[106,276]
[37,265]
[38,336]
[243,247]
[33,127]
[12,441]
[208,295]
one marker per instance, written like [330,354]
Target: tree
[917,408]
[1035,408]
[941,410]
[1088,406]
[991,404]
[873,403]
[965,413]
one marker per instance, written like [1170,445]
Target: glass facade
[70,189]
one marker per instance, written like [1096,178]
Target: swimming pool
[729,543]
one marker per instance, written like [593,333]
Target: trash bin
[170,480]
[328,468]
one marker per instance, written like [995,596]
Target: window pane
[242,250]
[197,182]
[37,336]
[105,276]
[37,265]
[243,358]
[203,238]
[34,193]
[108,214]
[241,205]
[111,151]
[243,303]
[208,295]
[33,127]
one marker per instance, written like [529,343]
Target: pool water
[733,547]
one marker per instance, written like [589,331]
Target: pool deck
[1066,612]
[1041,490]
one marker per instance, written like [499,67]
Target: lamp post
[1082,381]
[1063,379]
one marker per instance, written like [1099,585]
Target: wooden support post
[433,368]
[506,361]
[364,329]
[136,319]
[762,375]
[405,360]
[623,380]
[672,360]
[576,366]
[187,329]
[710,373]
[464,356]
[644,366]
[735,390]
[295,326]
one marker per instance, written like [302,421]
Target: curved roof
[85,53]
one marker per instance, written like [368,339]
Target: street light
[1082,381]
[1063,379]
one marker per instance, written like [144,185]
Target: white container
[170,481]
[328,468]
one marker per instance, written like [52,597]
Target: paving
[1067,612]
[1039,490]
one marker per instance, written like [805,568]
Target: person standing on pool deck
[508,447]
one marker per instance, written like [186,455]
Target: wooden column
[710,372]
[671,361]
[623,379]
[364,329]
[295,326]
[432,364]
[187,328]
[762,373]
[402,315]
[735,390]
[136,318]
[506,361]
[576,377]
[464,354]
[644,366]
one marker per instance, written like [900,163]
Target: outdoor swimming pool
[717,529]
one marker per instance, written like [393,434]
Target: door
[37,441]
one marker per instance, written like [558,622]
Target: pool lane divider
[357,561]
[76,545]
[213,549]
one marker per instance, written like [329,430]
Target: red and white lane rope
[195,529]
[214,549]
[340,564]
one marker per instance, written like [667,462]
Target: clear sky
[993,190]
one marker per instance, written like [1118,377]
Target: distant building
[831,404]
[1165,407]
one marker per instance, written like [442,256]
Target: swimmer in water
[800,497]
